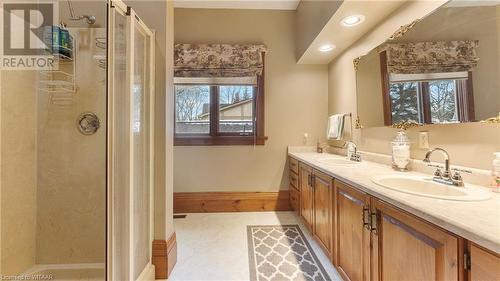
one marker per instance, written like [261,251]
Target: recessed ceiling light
[352,20]
[326,48]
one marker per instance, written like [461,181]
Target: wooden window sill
[219,140]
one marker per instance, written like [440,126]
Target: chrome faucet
[354,156]
[427,159]
[445,177]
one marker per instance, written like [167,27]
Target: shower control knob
[88,123]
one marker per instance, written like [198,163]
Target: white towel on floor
[335,127]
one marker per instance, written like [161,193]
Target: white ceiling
[238,4]
[342,37]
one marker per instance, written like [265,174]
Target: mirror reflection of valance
[431,57]
[218,60]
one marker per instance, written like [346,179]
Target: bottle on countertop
[400,152]
[495,173]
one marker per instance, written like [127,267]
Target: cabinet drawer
[294,179]
[294,165]
[294,199]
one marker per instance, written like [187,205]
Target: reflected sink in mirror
[337,161]
[425,186]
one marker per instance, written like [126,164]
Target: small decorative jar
[400,152]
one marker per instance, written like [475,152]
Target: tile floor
[214,246]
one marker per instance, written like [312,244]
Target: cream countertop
[478,222]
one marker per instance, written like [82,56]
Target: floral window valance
[218,60]
[431,57]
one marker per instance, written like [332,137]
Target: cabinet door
[306,194]
[353,235]
[410,248]
[323,188]
[484,265]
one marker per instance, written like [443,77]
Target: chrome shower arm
[90,19]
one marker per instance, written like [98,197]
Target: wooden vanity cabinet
[484,265]
[306,194]
[368,239]
[353,233]
[323,206]
[294,185]
[408,247]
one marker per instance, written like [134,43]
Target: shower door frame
[133,22]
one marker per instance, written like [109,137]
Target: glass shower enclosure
[76,143]
[131,118]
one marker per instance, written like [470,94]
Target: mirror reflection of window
[404,102]
[443,101]
[430,102]
[442,70]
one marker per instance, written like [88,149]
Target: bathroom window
[192,109]
[218,111]
[236,110]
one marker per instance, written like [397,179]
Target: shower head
[89,18]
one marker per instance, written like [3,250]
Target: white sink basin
[336,161]
[425,186]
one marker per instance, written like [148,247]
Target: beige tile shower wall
[72,167]
[469,144]
[296,103]
[18,171]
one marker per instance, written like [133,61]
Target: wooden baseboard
[213,202]
[164,256]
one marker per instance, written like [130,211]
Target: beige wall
[311,17]
[469,144]
[169,119]
[158,15]
[18,171]
[498,28]
[296,103]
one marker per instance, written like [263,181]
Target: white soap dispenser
[400,152]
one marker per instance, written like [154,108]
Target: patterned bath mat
[281,252]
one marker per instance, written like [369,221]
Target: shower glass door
[141,145]
[131,144]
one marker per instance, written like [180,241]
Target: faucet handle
[457,178]
[438,172]
[457,171]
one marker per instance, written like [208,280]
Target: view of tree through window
[443,101]
[236,109]
[404,102]
[192,109]
[425,101]
[193,106]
